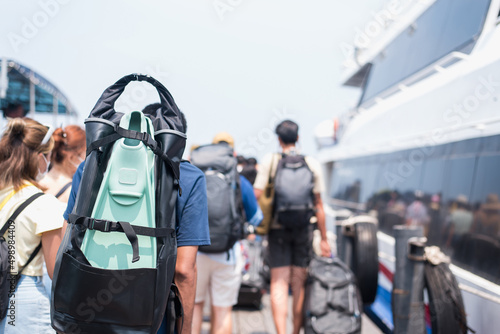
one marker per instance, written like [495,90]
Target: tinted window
[458,178]
[432,180]
[461,196]
[448,25]
[43,101]
[402,176]
[343,177]
[476,244]
[487,179]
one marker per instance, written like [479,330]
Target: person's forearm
[320,215]
[185,279]
[186,283]
[257,193]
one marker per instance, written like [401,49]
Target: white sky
[238,71]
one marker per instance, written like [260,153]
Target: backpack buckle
[100,225]
[149,141]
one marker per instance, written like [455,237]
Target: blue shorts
[30,312]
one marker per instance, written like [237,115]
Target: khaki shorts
[220,280]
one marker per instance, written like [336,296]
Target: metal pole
[4,79]
[403,277]
[416,249]
[340,241]
[55,110]
[32,97]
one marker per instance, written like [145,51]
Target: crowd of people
[450,225]
[35,158]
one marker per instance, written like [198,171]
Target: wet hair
[150,109]
[288,132]
[67,140]
[19,148]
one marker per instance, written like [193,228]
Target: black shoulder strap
[16,213]
[32,256]
[11,220]
[63,189]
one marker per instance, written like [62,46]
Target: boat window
[472,235]
[353,181]
[402,177]
[343,176]
[458,178]
[44,102]
[46,94]
[432,180]
[465,147]
[367,181]
[461,194]
[487,178]
[61,109]
[448,25]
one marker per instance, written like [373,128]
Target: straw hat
[223,137]
[492,202]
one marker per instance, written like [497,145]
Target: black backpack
[88,299]
[293,192]
[332,303]
[8,282]
[225,214]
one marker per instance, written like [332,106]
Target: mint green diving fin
[126,194]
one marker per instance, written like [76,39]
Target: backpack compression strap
[131,231]
[144,138]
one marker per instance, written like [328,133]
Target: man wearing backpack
[191,232]
[230,200]
[298,185]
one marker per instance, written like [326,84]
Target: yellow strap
[12,193]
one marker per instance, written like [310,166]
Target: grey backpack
[225,214]
[332,302]
[293,192]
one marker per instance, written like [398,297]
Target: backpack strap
[174,309]
[146,139]
[63,189]
[131,231]
[11,220]
[271,176]
[32,256]
[16,213]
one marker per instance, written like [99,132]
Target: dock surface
[254,321]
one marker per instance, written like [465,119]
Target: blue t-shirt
[253,215]
[252,210]
[192,207]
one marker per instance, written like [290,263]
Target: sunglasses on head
[50,131]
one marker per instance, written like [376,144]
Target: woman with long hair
[25,153]
[67,154]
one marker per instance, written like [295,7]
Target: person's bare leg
[299,276]
[197,318]
[280,278]
[221,320]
